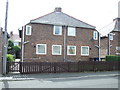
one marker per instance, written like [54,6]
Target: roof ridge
[78,20]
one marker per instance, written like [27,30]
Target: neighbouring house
[15,38]
[58,37]
[112,40]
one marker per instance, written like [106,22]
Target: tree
[13,50]
[16,51]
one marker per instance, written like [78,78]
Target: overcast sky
[98,13]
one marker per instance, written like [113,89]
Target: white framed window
[71,31]
[111,36]
[28,30]
[57,30]
[71,50]
[85,50]
[95,35]
[41,49]
[118,48]
[56,49]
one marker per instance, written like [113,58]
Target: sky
[98,13]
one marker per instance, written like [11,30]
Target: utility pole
[108,44]
[99,47]
[22,44]
[5,40]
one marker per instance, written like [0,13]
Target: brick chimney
[58,9]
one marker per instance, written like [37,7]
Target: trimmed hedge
[112,58]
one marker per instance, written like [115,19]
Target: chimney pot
[58,9]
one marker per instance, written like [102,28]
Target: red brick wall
[115,42]
[43,34]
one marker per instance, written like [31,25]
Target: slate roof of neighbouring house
[59,18]
[117,24]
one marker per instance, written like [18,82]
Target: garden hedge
[112,58]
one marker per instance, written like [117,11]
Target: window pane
[58,30]
[71,50]
[28,30]
[71,31]
[41,49]
[56,50]
[111,37]
[85,50]
[95,35]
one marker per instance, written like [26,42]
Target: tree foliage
[14,50]
[10,57]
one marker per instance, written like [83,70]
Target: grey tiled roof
[60,18]
[117,24]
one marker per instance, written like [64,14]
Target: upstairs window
[28,30]
[41,49]
[111,36]
[95,35]
[71,50]
[56,49]
[71,31]
[57,30]
[85,50]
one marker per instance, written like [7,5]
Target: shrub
[112,58]
[10,57]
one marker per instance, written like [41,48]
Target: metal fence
[59,67]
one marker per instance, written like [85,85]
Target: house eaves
[60,18]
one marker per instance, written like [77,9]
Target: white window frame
[95,33]
[68,50]
[111,36]
[60,28]
[60,50]
[27,29]
[82,51]
[45,49]
[118,48]
[71,28]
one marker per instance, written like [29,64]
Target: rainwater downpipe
[65,31]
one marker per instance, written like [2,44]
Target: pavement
[48,76]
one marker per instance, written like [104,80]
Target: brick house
[58,37]
[114,38]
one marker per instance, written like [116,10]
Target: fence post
[78,66]
[7,68]
[68,66]
[20,67]
[54,67]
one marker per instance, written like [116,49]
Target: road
[102,81]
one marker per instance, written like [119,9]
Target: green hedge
[10,57]
[112,58]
